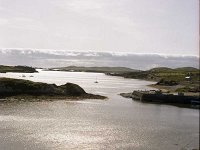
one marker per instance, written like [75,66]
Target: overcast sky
[136,26]
[49,58]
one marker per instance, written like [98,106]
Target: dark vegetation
[167,82]
[23,69]
[17,87]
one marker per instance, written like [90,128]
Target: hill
[95,69]
[186,69]
[160,69]
[186,79]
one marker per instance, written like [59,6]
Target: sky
[136,26]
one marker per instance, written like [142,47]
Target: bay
[115,123]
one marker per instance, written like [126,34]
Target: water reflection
[116,123]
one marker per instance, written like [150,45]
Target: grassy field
[186,79]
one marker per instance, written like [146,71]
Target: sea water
[115,123]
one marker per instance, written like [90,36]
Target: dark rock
[72,89]
[126,95]
[167,82]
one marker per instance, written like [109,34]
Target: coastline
[172,89]
[30,98]
[26,90]
[180,105]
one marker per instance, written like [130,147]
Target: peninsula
[154,96]
[185,79]
[178,86]
[18,89]
[95,69]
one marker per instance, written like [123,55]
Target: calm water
[116,123]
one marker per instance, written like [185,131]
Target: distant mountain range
[61,58]
[165,69]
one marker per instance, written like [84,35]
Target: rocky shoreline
[153,96]
[25,90]
[29,98]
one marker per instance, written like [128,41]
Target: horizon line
[101,51]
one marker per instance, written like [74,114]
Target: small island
[25,90]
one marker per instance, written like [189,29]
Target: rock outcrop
[72,89]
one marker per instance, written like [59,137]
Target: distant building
[188,78]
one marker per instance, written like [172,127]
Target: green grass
[169,77]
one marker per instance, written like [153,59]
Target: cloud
[3,21]
[155,26]
[61,58]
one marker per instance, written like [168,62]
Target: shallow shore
[30,98]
